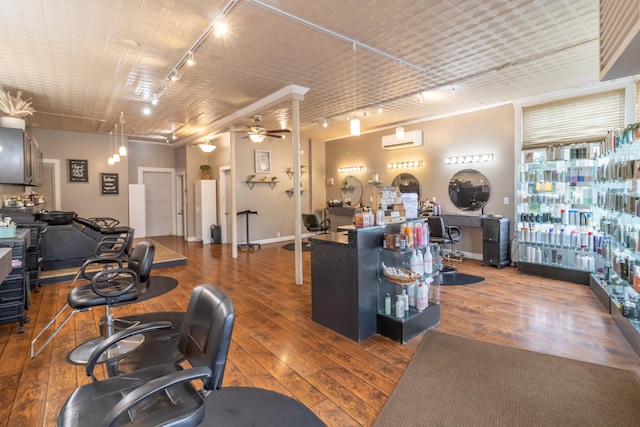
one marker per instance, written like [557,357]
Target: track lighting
[325,124]
[154,99]
[220,29]
[420,98]
[146,110]
[174,137]
[380,109]
[190,60]
[452,89]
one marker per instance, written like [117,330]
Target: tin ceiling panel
[82,62]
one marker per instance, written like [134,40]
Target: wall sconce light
[404,165]
[476,158]
[351,169]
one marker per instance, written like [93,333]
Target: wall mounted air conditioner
[411,139]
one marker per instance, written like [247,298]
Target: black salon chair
[445,235]
[108,287]
[161,394]
[313,224]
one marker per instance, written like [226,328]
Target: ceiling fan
[257,133]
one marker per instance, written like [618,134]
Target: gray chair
[313,224]
[445,235]
[160,394]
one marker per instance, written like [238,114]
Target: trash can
[216,235]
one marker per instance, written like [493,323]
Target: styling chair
[445,235]
[164,394]
[107,287]
[313,224]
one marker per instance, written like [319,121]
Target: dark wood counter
[344,280]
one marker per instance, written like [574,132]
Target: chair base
[80,355]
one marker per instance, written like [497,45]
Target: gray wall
[486,131]
[143,154]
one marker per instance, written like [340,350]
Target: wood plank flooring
[277,346]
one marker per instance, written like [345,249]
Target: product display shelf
[413,321]
[611,293]
[555,222]
[14,290]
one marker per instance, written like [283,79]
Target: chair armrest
[453,231]
[104,261]
[101,281]
[151,387]
[118,336]
[325,222]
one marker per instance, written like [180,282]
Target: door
[158,202]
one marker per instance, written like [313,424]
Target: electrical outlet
[506,200]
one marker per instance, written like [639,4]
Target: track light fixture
[154,99]
[380,109]
[191,60]
[325,123]
[452,90]
[146,110]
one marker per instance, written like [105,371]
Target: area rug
[452,279]
[455,381]
[306,247]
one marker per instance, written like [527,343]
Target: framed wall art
[263,161]
[109,183]
[78,170]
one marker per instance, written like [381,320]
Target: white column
[234,207]
[296,189]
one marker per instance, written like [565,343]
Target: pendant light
[355,122]
[110,160]
[400,132]
[122,150]
[206,146]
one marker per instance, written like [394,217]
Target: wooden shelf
[271,184]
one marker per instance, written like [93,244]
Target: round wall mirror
[407,183]
[351,188]
[469,190]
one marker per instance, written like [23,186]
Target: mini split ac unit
[411,139]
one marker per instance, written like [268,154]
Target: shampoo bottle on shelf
[428,261]
[387,305]
[405,300]
[399,306]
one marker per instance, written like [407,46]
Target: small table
[249,406]
[248,244]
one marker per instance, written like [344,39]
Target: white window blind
[581,119]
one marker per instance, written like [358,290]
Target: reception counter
[344,278]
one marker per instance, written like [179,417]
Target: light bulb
[122,151]
[400,133]
[355,126]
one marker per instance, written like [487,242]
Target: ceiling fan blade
[275,135]
[278,131]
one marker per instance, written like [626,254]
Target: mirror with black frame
[407,183]
[351,189]
[469,190]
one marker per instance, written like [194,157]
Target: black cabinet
[21,160]
[14,290]
[496,248]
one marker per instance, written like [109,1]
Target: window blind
[581,119]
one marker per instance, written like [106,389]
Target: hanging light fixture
[122,150]
[256,137]
[400,132]
[191,60]
[206,146]
[110,161]
[355,122]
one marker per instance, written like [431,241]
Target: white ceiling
[82,62]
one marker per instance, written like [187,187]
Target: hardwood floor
[277,346]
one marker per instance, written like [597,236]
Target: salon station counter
[344,277]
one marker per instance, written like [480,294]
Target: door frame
[223,189]
[181,204]
[172,171]
[57,191]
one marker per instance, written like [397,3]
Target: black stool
[248,245]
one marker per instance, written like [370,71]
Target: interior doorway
[50,188]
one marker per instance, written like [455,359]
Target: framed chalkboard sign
[78,170]
[109,183]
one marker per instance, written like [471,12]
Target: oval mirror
[351,188]
[469,190]
[407,183]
